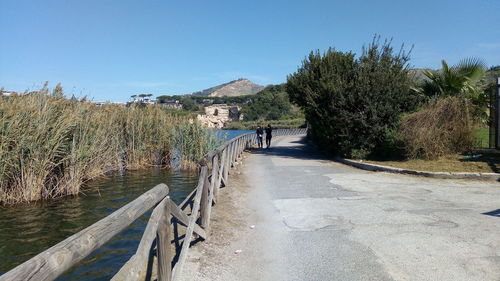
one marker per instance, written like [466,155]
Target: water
[229,134]
[28,229]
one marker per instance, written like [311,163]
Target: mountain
[234,88]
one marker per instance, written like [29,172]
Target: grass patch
[488,162]
[482,137]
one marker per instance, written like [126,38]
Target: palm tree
[463,79]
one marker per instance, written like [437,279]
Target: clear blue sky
[111,49]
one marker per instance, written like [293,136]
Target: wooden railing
[162,229]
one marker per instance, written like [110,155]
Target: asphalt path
[294,215]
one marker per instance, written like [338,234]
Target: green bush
[353,104]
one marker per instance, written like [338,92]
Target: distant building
[216,116]
[7,93]
[170,104]
[105,103]
[143,98]
[208,101]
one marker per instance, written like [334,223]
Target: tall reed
[49,145]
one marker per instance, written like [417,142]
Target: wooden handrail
[54,261]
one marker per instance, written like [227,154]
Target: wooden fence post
[240,141]
[191,225]
[206,219]
[163,244]
[233,153]
[227,164]
[204,202]
[222,169]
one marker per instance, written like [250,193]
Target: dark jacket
[269,132]
[259,131]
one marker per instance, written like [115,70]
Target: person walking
[259,133]
[269,135]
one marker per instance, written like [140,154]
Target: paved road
[319,220]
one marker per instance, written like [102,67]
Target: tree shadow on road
[301,149]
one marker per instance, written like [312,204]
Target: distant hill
[234,88]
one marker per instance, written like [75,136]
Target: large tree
[353,104]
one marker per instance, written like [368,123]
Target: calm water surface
[229,134]
[28,229]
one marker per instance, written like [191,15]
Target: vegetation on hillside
[49,145]
[201,100]
[277,124]
[272,103]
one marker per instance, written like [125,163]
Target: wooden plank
[135,268]
[163,244]
[183,218]
[226,165]
[189,232]
[220,175]
[223,181]
[240,140]
[215,169]
[204,202]
[186,201]
[53,262]
[233,155]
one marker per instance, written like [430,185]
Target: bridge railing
[163,243]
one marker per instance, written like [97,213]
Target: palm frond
[472,68]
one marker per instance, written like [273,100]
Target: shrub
[444,127]
[353,105]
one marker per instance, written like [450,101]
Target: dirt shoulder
[229,225]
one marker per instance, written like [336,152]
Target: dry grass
[443,128]
[489,162]
[49,145]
